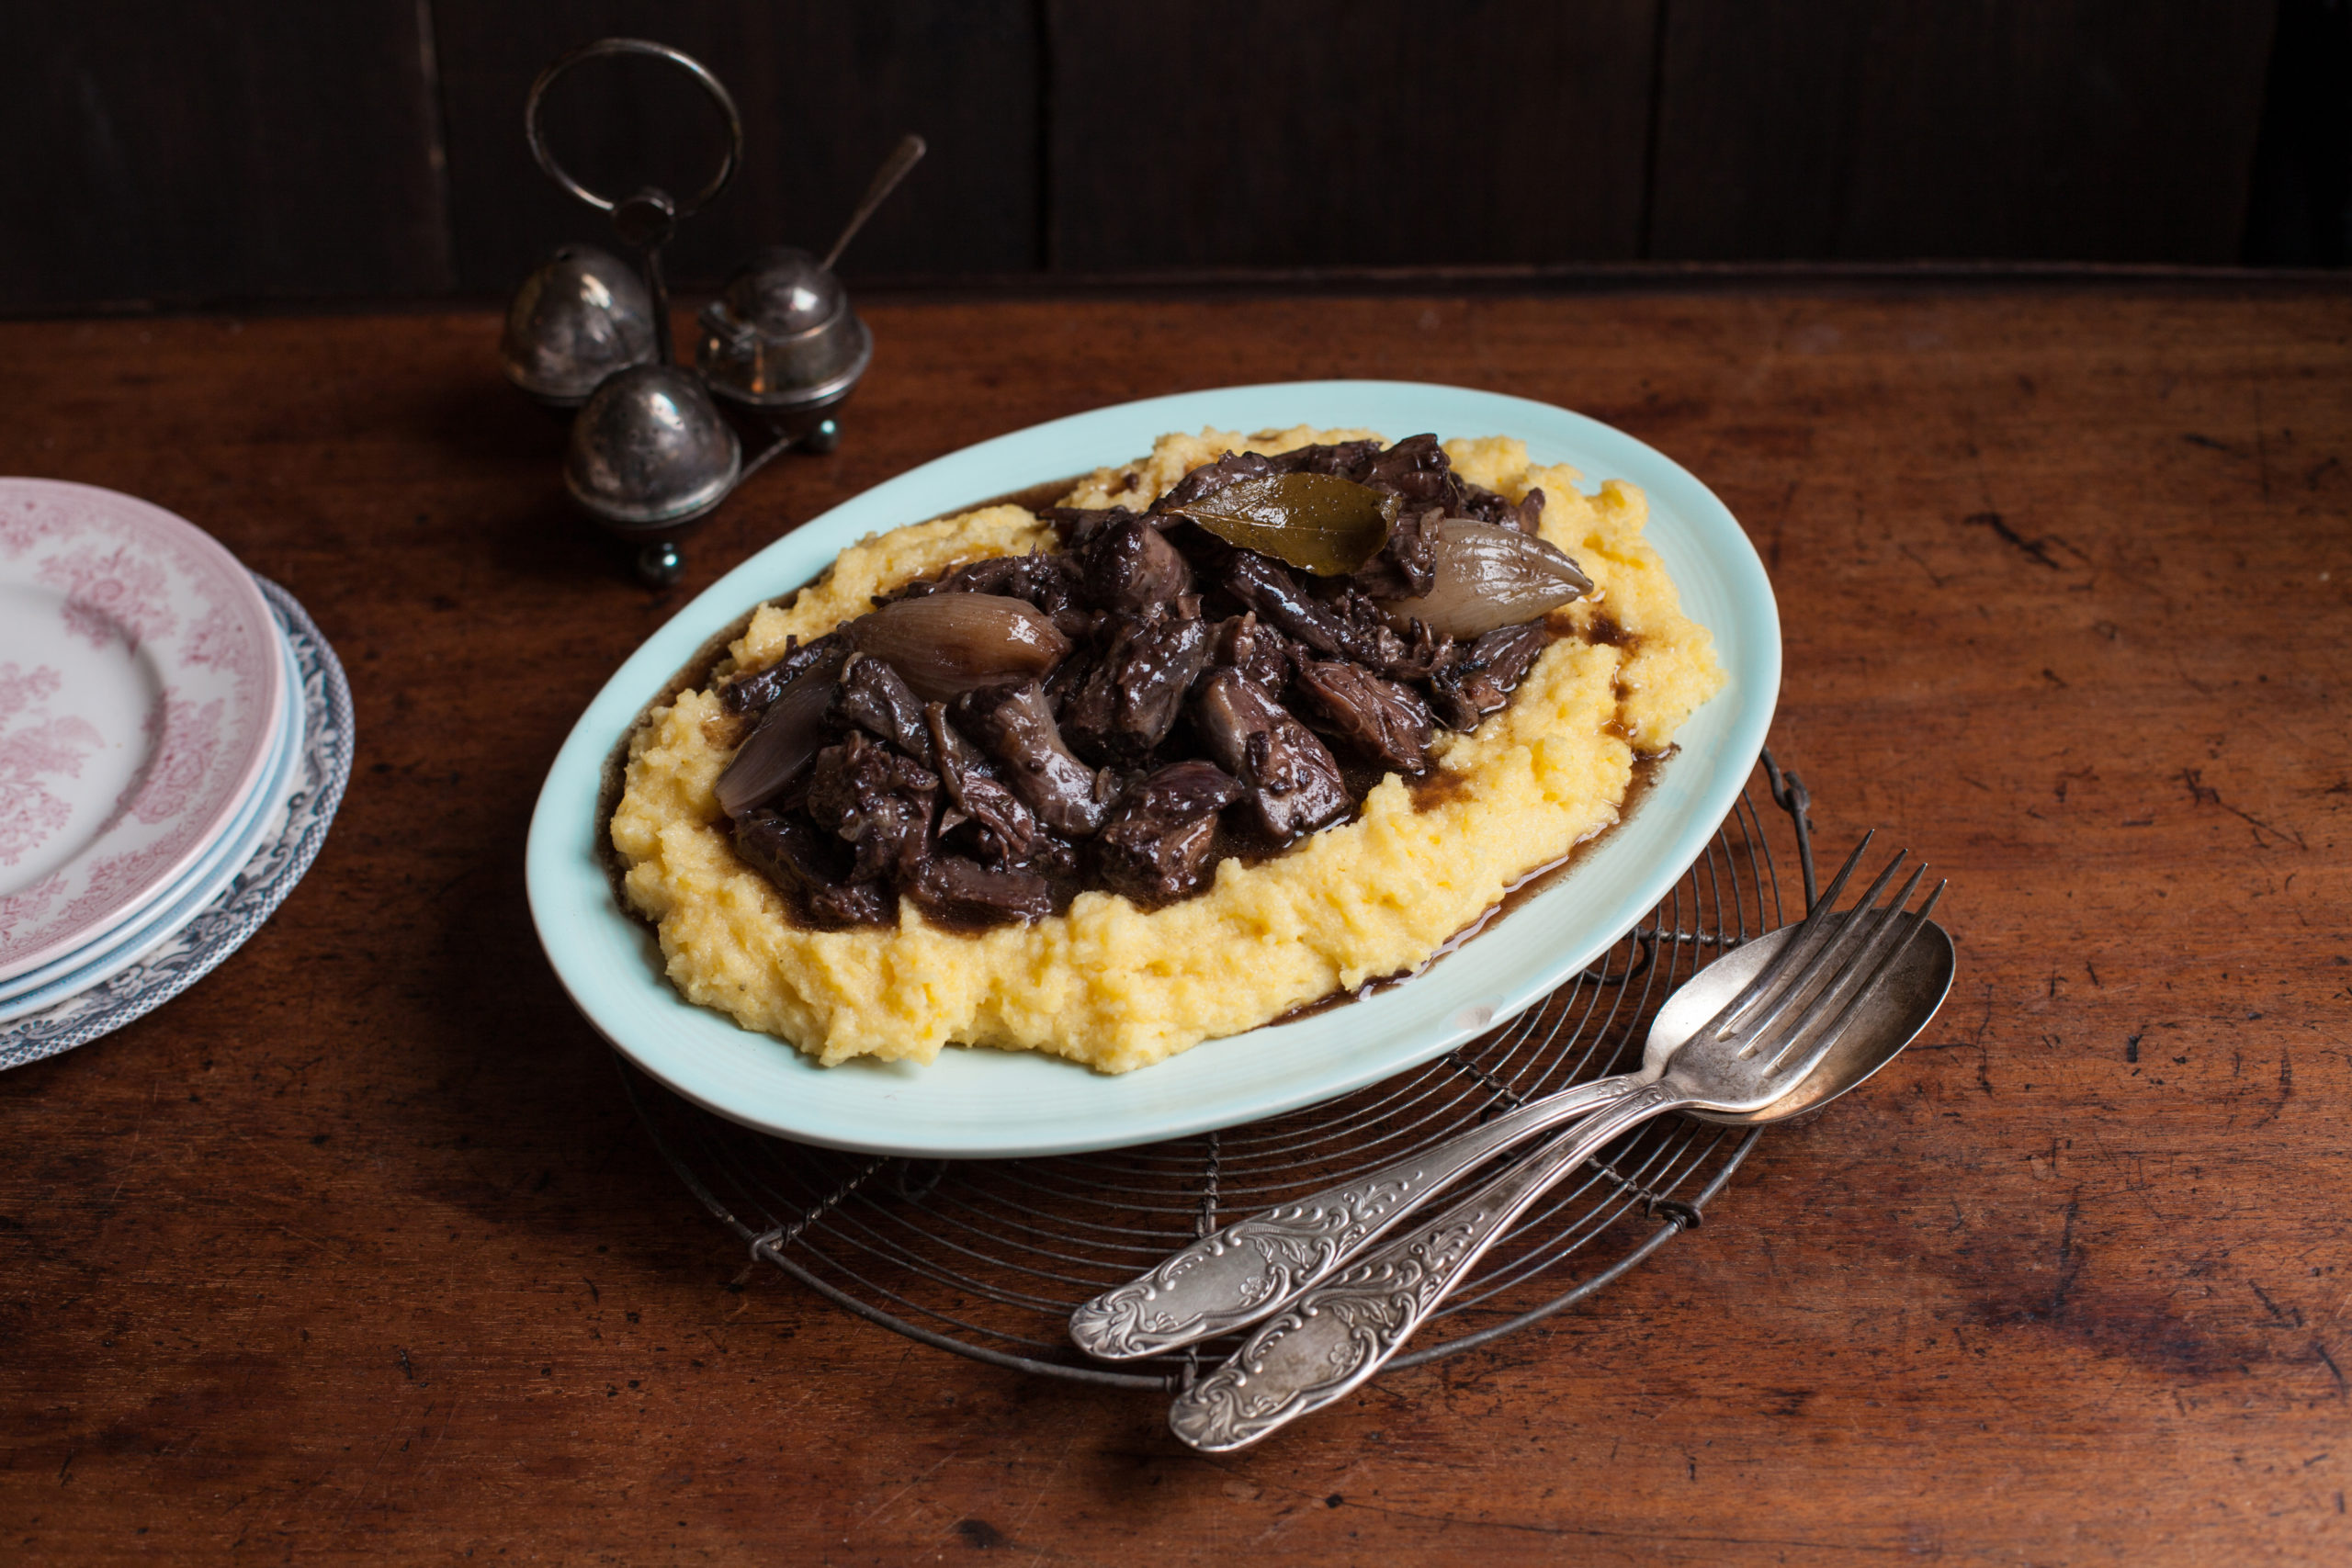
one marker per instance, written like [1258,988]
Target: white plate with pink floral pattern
[140,688]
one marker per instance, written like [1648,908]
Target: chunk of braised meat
[1134,693]
[1409,556]
[1053,582]
[1078,624]
[1481,676]
[1416,468]
[1408,656]
[1155,844]
[878,802]
[1255,648]
[1528,515]
[1062,681]
[1293,780]
[1046,579]
[876,699]
[1129,567]
[1386,722]
[812,867]
[1080,525]
[1207,480]
[1426,652]
[1005,831]
[754,691]
[1480,504]
[963,892]
[1015,723]
[1346,459]
[1341,628]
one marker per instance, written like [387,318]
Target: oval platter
[984,1103]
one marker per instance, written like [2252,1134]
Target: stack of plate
[174,736]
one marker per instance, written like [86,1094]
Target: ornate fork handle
[1746,1058]
[1228,1280]
[1338,1334]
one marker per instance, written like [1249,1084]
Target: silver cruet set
[651,452]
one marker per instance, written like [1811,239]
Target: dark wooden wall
[166,155]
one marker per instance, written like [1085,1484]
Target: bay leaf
[1318,523]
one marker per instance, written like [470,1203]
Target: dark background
[160,156]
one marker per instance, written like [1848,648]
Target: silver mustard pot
[650,451]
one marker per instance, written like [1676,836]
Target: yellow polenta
[1109,983]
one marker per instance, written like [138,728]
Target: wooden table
[357,1246]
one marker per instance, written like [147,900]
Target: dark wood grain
[1230,132]
[825,92]
[1862,131]
[159,156]
[355,1249]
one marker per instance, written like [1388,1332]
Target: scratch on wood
[2070,1262]
[1934,577]
[2341,1387]
[2034,550]
[2286,1086]
[2272,1307]
[2260,827]
[2205,794]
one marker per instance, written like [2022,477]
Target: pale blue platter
[970,1104]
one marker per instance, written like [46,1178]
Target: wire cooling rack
[988,1257]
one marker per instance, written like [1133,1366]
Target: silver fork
[1233,1276]
[1335,1336]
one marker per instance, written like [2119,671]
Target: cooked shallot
[1488,576]
[946,644]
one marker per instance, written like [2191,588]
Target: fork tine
[1852,932]
[1799,945]
[1848,990]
